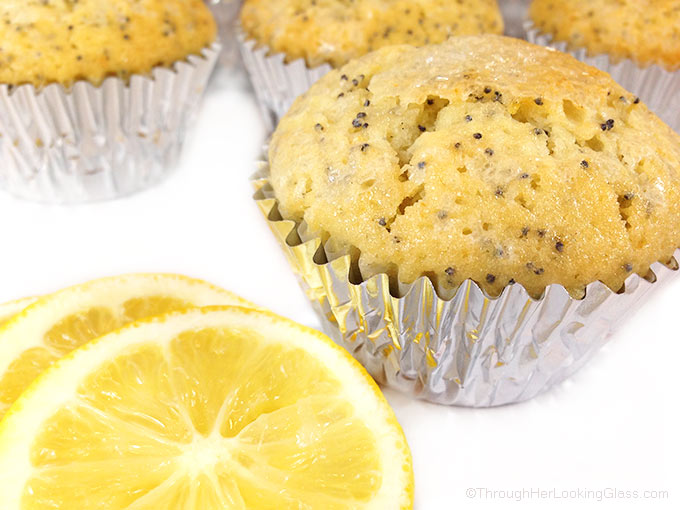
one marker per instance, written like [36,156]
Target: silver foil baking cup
[90,143]
[471,350]
[226,15]
[514,16]
[659,89]
[277,83]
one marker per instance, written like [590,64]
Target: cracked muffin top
[646,31]
[62,41]
[486,158]
[336,31]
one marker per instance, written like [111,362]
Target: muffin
[98,93]
[289,44]
[637,41]
[482,205]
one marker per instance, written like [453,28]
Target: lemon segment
[208,409]
[57,324]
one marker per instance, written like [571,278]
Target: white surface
[615,425]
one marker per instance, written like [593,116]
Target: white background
[615,425]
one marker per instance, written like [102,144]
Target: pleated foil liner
[277,83]
[471,350]
[514,16]
[659,89]
[96,143]
[226,14]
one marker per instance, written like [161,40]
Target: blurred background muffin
[289,44]
[646,31]
[637,41]
[83,83]
[334,32]
[62,42]
[488,160]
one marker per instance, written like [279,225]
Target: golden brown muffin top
[336,31]
[486,158]
[62,41]
[647,31]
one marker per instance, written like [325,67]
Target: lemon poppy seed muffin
[335,31]
[646,31]
[61,41]
[486,158]
[107,92]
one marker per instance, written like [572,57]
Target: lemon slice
[207,409]
[56,324]
[9,310]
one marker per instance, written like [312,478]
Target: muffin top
[484,157]
[646,31]
[336,31]
[62,41]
